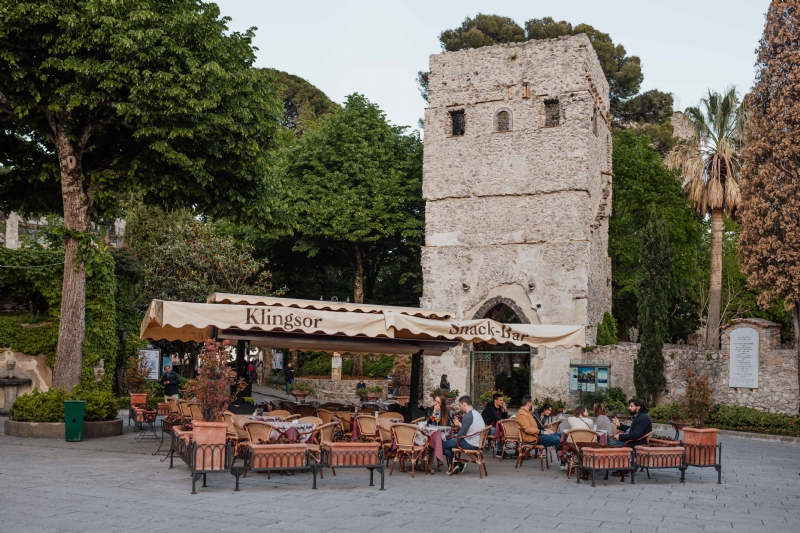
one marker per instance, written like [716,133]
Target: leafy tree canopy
[303,103]
[483,30]
[358,186]
[640,181]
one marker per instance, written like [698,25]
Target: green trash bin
[73,419]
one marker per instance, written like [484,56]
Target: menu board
[153,358]
[573,378]
[744,358]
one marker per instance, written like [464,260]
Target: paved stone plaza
[114,484]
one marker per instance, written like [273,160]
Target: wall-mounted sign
[744,358]
[153,358]
[588,375]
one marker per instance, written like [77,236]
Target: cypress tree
[653,308]
[607,330]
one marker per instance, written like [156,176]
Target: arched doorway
[500,366]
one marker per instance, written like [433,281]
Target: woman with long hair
[437,413]
[580,419]
[601,419]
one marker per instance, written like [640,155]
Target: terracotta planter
[299,394]
[607,458]
[351,453]
[402,400]
[277,455]
[138,398]
[185,436]
[372,396]
[700,445]
[210,438]
[659,456]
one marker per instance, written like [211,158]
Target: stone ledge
[737,434]
[55,430]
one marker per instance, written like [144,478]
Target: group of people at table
[534,425]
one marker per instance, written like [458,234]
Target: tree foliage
[770,206]
[357,182]
[607,330]
[641,181]
[653,306]
[100,98]
[303,103]
[483,30]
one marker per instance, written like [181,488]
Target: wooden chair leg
[542,457]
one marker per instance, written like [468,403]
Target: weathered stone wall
[28,366]
[519,214]
[339,390]
[778,390]
[681,127]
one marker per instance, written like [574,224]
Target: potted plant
[362,394]
[374,393]
[277,453]
[301,390]
[212,391]
[486,397]
[694,405]
[449,396]
[135,378]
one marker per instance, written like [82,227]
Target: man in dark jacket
[494,412]
[640,426]
[288,376]
[170,380]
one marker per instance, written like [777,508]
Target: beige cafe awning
[296,326]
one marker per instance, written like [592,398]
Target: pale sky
[376,47]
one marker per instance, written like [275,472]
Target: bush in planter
[557,404]
[451,395]
[696,403]
[212,386]
[664,413]
[49,406]
[302,387]
[40,406]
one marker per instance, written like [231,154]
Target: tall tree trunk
[358,283]
[358,364]
[715,285]
[796,328]
[72,326]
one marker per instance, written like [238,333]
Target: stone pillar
[12,231]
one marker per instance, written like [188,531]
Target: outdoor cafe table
[294,432]
[437,434]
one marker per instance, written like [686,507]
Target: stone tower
[517,183]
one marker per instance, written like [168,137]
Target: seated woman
[437,413]
[580,419]
[601,419]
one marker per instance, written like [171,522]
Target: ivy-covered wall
[40,289]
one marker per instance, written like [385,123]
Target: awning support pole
[241,371]
[416,384]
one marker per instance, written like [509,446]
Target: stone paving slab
[114,485]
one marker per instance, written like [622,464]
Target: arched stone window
[503,120]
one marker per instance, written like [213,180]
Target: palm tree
[710,162]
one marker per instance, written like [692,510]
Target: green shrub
[663,413]
[40,406]
[302,386]
[557,404]
[100,404]
[249,401]
[607,331]
[124,402]
[49,406]
[314,364]
[347,367]
[378,367]
[753,420]
[276,379]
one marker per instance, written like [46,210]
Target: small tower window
[502,120]
[552,113]
[458,122]
[526,90]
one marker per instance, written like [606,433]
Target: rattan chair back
[239,422]
[404,435]
[258,431]
[389,414]
[325,415]
[510,430]
[366,425]
[325,432]
[304,409]
[173,406]
[317,421]
[385,429]
[196,411]
[576,436]
[347,421]
[279,412]
[291,417]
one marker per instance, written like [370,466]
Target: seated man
[640,426]
[530,428]
[470,424]
[494,412]
[361,385]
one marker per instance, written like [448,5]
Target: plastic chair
[473,456]
[404,435]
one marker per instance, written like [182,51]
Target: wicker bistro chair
[291,407]
[576,437]
[387,440]
[292,417]
[259,431]
[279,412]
[367,425]
[418,420]
[173,407]
[196,411]
[367,411]
[473,456]
[317,421]
[389,414]
[510,434]
[304,410]
[525,450]
[320,434]
[237,437]
[325,415]
[183,409]
[404,435]
[346,420]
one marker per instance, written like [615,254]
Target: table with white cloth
[266,418]
[437,434]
